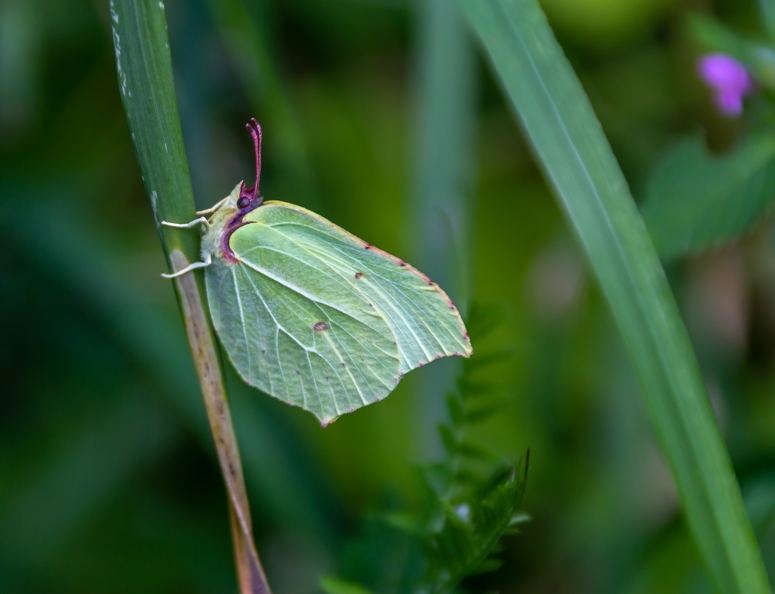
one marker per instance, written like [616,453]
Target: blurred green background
[108,481]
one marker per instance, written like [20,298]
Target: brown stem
[200,338]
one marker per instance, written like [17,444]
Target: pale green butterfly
[309,313]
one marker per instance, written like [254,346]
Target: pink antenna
[255,131]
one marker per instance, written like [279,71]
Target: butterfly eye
[243,202]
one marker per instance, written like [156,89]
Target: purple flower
[729,80]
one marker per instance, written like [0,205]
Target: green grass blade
[577,160]
[695,200]
[145,79]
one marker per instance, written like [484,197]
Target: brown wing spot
[401,263]
[358,275]
[320,326]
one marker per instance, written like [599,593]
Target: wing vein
[242,321]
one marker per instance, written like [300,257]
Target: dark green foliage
[474,506]
[472,525]
[696,200]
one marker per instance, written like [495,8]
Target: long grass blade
[144,67]
[570,146]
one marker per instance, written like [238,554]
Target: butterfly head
[240,202]
[244,198]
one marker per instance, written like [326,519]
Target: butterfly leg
[201,220]
[213,208]
[207,261]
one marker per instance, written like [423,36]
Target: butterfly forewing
[423,320]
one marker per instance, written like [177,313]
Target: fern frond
[476,510]
[472,528]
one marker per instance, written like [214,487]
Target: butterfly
[310,313]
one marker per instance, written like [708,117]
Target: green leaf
[457,413]
[484,319]
[485,407]
[696,200]
[449,439]
[469,387]
[475,451]
[486,566]
[331,585]
[571,148]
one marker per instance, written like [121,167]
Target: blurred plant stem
[439,213]
[144,68]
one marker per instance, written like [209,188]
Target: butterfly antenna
[255,131]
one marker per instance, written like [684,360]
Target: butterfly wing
[324,320]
